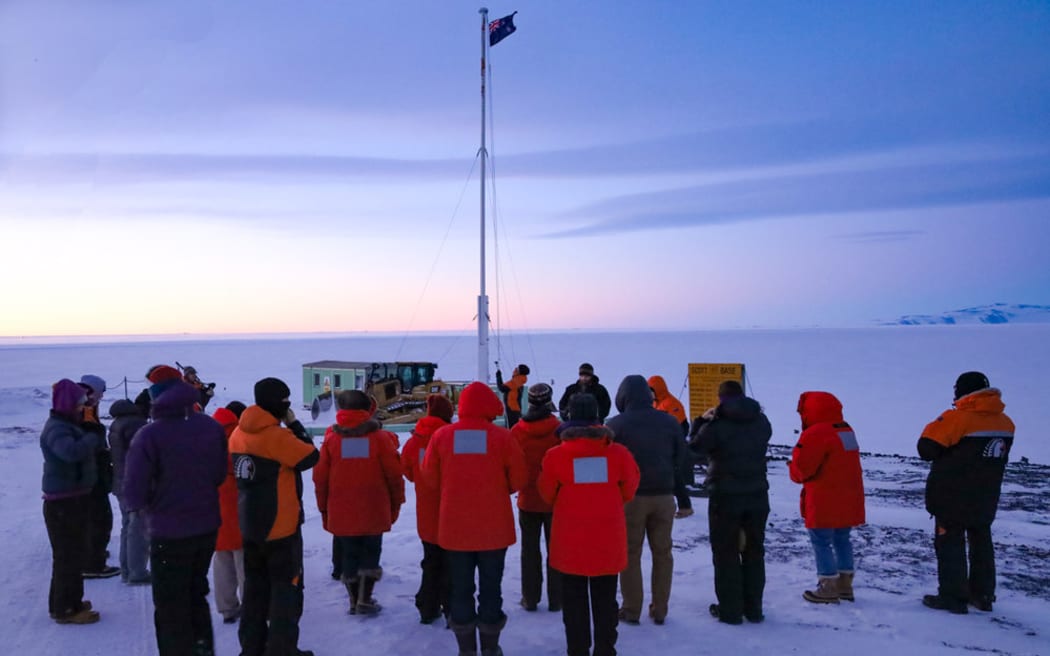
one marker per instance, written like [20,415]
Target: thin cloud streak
[901,187]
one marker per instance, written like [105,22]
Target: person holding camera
[204,390]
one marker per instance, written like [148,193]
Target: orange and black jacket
[267,461]
[969,446]
[512,390]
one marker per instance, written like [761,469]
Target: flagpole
[483,299]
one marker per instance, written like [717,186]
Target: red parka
[826,461]
[230,531]
[588,479]
[535,438]
[427,499]
[475,466]
[358,478]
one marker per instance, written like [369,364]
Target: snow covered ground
[891,380]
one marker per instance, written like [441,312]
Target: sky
[203,167]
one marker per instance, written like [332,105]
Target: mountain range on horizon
[996,313]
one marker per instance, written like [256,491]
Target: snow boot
[466,638]
[940,602]
[827,591]
[352,584]
[82,616]
[366,603]
[846,586]
[489,634]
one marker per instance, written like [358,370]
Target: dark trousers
[66,522]
[578,611]
[181,615]
[738,530]
[359,552]
[337,558]
[513,416]
[532,561]
[273,597]
[950,543]
[432,598]
[100,527]
[489,566]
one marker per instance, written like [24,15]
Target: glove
[289,417]
[683,512]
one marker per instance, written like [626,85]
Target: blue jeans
[134,546]
[489,565]
[833,550]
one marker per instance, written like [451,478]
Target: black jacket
[127,420]
[735,443]
[652,436]
[595,389]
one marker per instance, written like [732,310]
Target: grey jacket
[69,458]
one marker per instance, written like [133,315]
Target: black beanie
[583,407]
[523,369]
[270,395]
[970,382]
[236,407]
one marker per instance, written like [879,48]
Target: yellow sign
[704,379]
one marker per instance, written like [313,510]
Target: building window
[317,379]
[338,381]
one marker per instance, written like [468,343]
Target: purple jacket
[175,466]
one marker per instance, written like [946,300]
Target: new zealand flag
[501,28]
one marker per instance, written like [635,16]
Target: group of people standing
[225,493]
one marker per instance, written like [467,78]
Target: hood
[538,427]
[742,408]
[477,400]
[659,387]
[819,408]
[426,426]
[175,400]
[225,417]
[584,430]
[124,408]
[255,419]
[352,418]
[633,394]
[988,400]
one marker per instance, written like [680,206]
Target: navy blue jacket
[69,458]
[652,436]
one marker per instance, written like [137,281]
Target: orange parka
[826,461]
[588,479]
[230,531]
[358,480]
[266,458]
[535,438]
[427,499]
[475,466]
[664,400]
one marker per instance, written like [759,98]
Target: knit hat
[353,400]
[970,382]
[143,402]
[236,407]
[586,369]
[162,373]
[583,407]
[97,385]
[540,394]
[523,369]
[439,406]
[728,390]
[66,396]
[271,395]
